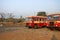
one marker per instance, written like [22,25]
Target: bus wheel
[35,27]
[51,28]
[58,29]
[29,27]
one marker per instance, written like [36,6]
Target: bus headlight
[47,25]
[56,25]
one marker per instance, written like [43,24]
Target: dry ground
[24,33]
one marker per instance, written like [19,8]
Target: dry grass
[23,33]
[30,34]
[11,24]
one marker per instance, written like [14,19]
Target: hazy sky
[29,7]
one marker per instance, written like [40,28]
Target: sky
[29,7]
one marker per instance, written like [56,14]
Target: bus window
[28,19]
[50,18]
[56,18]
[35,19]
[44,19]
[41,19]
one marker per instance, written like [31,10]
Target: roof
[54,14]
[36,17]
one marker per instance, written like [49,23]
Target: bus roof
[36,17]
[53,14]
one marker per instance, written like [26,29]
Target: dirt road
[24,33]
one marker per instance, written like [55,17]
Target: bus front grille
[51,24]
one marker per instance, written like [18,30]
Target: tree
[41,14]
[2,16]
[21,19]
[10,17]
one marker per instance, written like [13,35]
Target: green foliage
[41,14]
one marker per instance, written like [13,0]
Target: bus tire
[51,28]
[29,27]
[58,29]
[35,27]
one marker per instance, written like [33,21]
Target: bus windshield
[56,17]
[50,18]
[53,17]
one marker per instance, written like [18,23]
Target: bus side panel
[48,24]
[30,24]
[57,25]
[41,24]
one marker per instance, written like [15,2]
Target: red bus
[36,21]
[54,21]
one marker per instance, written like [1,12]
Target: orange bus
[36,21]
[54,21]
